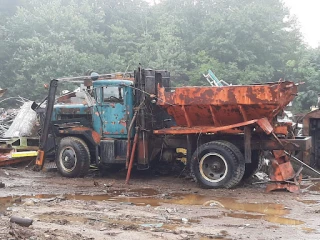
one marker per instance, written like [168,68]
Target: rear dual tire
[217,164]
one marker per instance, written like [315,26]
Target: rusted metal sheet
[136,139]
[214,106]
[5,155]
[281,130]
[202,129]
[80,130]
[281,171]
[21,144]
[302,143]
[265,125]
[66,98]
[288,186]
[8,161]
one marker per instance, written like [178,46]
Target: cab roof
[112,82]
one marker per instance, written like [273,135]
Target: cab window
[98,95]
[112,94]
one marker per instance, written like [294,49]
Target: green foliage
[242,41]
[50,40]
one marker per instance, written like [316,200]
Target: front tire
[73,157]
[217,164]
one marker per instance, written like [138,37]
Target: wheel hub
[68,159]
[213,167]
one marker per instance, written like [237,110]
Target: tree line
[242,41]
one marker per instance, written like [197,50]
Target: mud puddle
[269,218]
[121,193]
[309,230]
[270,212]
[78,219]
[7,202]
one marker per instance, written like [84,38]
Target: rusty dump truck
[137,118]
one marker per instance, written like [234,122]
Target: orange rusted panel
[282,171]
[40,158]
[265,125]
[203,129]
[287,170]
[282,130]
[5,158]
[13,161]
[66,98]
[228,105]
[288,186]
[82,130]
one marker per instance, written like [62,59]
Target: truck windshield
[112,94]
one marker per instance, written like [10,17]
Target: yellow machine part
[184,152]
[24,154]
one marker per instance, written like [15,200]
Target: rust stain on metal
[96,137]
[281,171]
[69,110]
[243,113]
[186,115]
[87,83]
[282,130]
[202,129]
[66,98]
[5,158]
[9,161]
[80,129]
[73,110]
[214,106]
[123,123]
[265,125]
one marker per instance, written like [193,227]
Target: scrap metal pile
[6,119]
[18,129]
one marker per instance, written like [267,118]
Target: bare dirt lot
[151,207]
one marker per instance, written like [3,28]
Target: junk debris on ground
[18,133]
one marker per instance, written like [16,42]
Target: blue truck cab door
[114,107]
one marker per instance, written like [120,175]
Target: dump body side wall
[221,106]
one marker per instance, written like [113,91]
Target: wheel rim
[68,159]
[213,167]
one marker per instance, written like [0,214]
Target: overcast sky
[307,12]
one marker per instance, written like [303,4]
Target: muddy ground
[151,207]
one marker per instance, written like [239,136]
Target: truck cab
[113,108]
[96,119]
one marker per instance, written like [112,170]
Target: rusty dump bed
[229,105]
